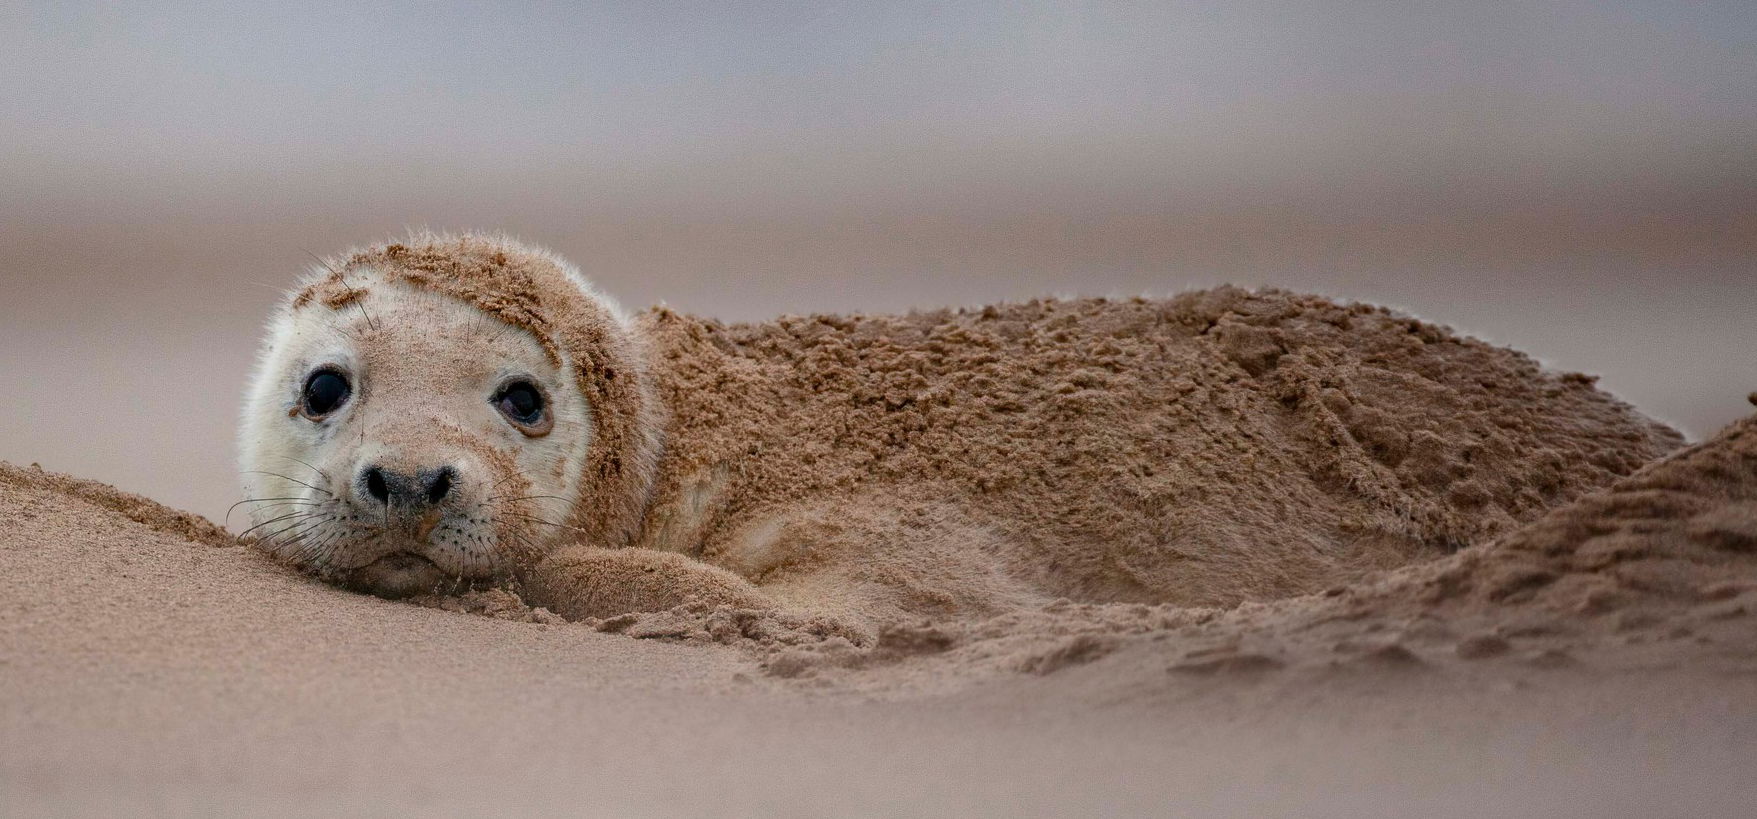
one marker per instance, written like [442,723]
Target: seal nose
[437,483]
[427,487]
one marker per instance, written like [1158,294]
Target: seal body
[1206,449]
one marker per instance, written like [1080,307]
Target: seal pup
[456,409]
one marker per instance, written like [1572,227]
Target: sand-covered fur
[1206,449]
[1211,448]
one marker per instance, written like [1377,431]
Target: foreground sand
[1602,661]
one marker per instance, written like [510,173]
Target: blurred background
[1575,179]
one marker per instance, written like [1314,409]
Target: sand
[1597,662]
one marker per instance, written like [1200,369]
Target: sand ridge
[1598,661]
[131,506]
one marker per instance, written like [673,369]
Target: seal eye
[522,404]
[324,391]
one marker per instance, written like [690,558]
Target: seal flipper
[578,582]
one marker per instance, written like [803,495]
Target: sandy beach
[1597,662]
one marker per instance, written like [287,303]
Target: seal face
[408,430]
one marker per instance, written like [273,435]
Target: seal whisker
[292,541]
[310,557]
[529,497]
[280,539]
[281,508]
[296,519]
[271,521]
[305,464]
[497,484]
[313,552]
[526,551]
[317,523]
[535,519]
[289,501]
[285,477]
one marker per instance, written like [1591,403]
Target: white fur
[423,367]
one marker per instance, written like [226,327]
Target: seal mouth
[397,575]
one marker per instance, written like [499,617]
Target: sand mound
[131,506]
[147,667]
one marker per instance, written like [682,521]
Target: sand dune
[1597,662]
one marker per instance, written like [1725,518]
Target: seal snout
[415,517]
[410,490]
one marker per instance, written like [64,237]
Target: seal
[450,410]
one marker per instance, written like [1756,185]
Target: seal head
[446,410]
